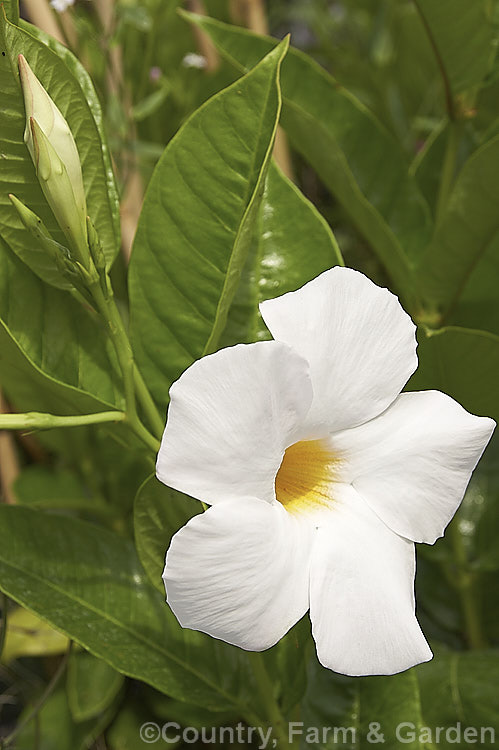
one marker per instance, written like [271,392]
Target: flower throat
[303,481]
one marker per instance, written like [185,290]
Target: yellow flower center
[303,482]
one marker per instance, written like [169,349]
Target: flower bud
[55,156]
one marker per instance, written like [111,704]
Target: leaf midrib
[108,618]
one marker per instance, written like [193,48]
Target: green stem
[109,311]
[448,169]
[147,403]
[266,690]
[34,420]
[41,701]
[464,583]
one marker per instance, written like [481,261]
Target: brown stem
[40,14]
[205,46]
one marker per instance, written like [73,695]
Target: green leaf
[358,160]
[92,685]
[292,243]
[355,713]
[159,512]
[195,228]
[27,635]
[58,731]
[124,733]
[461,687]
[459,268]
[53,340]
[88,583]
[462,37]
[463,363]
[17,174]
[11,8]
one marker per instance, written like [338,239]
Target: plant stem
[41,701]
[147,403]
[266,690]
[106,305]
[464,584]
[448,169]
[34,420]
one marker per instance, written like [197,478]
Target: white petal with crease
[362,594]
[231,416]
[359,342]
[240,572]
[412,463]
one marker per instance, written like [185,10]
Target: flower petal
[362,594]
[232,415]
[357,338]
[412,463]
[240,572]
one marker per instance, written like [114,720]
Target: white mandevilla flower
[321,476]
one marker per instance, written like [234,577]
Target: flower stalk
[35,420]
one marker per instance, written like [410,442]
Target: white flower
[61,5]
[321,476]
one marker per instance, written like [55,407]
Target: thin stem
[266,690]
[448,169]
[34,420]
[147,403]
[41,701]
[464,584]
[109,311]
[449,99]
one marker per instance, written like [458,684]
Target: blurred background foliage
[151,70]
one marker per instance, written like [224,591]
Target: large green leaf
[459,269]
[57,730]
[159,512]
[89,583]
[461,687]
[92,685]
[17,174]
[463,363]
[53,340]
[11,8]
[462,37]
[403,710]
[195,228]
[353,154]
[356,713]
[292,243]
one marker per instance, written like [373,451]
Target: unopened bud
[55,156]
